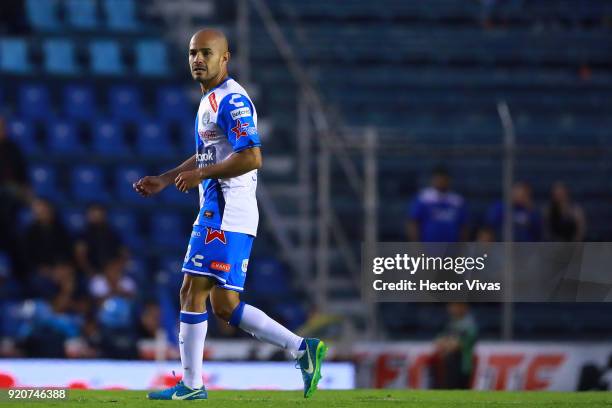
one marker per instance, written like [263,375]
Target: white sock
[261,326]
[192,334]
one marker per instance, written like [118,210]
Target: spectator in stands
[527,221]
[437,214]
[454,349]
[46,240]
[71,296]
[99,242]
[117,329]
[150,321]
[115,325]
[112,282]
[564,219]
[61,302]
[14,193]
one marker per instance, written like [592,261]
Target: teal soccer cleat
[310,365]
[179,392]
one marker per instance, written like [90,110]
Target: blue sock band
[237,315]
[302,345]
[193,318]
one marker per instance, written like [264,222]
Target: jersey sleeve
[235,118]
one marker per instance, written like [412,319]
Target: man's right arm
[151,185]
[170,175]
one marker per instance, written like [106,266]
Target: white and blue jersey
[227,123]
[226,224]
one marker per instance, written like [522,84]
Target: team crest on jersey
[213,102]
[212,234]
[206,118]
[238,129]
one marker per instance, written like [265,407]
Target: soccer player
[224,169]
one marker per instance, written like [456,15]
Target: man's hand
[188,180]
[150,185]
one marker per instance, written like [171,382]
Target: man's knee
[193,296]
[223,305]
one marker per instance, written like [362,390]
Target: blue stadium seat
[172,104]
[124,178]
[81,14]
[267,277]
[171,264]
[108,138]
[153,139]
[126,224]
[79,102]
[21,131]
[44,181]
[124,102]
[120,14]
[168,230]
[172,196]
[34,102]
[74,219]
[187,137]
[151,58]
[59,56]
[105,57]
[62,137]
[43,14]
[14,56]
[88,184]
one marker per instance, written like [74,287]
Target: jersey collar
[215,88]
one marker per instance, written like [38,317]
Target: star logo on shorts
[212,234]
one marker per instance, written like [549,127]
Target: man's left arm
[237,164]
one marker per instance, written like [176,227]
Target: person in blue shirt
[527,221]
[437,214]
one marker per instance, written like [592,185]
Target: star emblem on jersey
[238,129]
[212,234]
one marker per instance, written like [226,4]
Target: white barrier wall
[140,375]
[499,366]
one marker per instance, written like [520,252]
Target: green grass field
[329,399]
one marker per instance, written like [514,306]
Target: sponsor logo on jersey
[212,234]
[239,130]
[196,260]
[207,156]
[245,265]
[208,214]
[206,135]
[233,101]
[220,266]
[240,113]
[213,102]
[252,130]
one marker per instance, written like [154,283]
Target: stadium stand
[432,74]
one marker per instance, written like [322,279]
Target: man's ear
[226,56]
